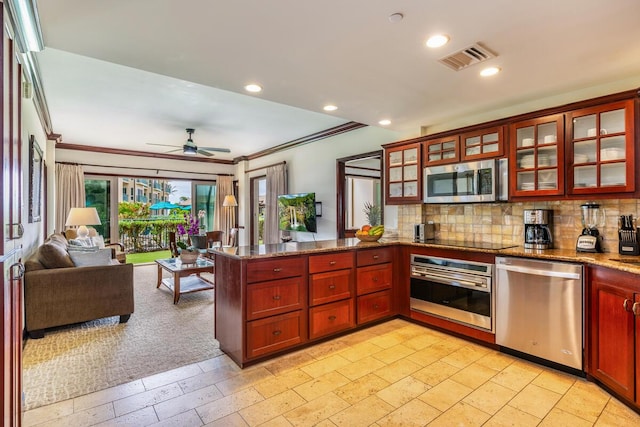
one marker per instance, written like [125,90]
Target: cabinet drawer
[275,297]
[373,256]
[374,306]
[331,286]
[330,262]
[331,318]
[373,278]
[272,269]
[274,333]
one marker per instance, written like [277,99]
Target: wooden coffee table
[186,277]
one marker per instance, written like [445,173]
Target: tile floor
[393,374]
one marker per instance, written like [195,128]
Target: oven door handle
[453,282]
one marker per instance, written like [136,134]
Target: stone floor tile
[464,356]
[208,378]
[360,351]
[362,367]
[107,395]
[217,362]
[141,417]
[231,420]
[415,413]
[514,377]
[554,380]
[474,375]
[386,340]
[616,414]
[496,360]
[317,411]
[184,419]
[279,421]
[421,341]
[324,366]
[398,370]
[327,349]
[363,413]
[361,388]
[403,391]
[229,404]
[558,417]
[394,353]
[445,395]
[147,398]
[282,382]
[490,397]
[535,400]
[184,403]
[435,373]
[246,380]
[84,418]
[321,385]
[164,378]
[287,362]
[461,414]
[509,416]
[271,408]
[49,412]
[586,401]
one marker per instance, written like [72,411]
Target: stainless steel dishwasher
[539,309]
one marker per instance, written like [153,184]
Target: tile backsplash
[503,222]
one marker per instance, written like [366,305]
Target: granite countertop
[611,260]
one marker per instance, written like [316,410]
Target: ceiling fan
[191,149]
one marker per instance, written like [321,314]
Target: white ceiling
[121,74]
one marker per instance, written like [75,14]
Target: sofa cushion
[90,258]
[52,254]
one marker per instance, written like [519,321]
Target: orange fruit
[366,228]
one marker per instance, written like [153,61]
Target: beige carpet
[75,360]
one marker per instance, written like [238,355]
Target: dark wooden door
[612,331]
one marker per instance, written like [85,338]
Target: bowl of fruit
[370,234]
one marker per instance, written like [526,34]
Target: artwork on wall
[35,180]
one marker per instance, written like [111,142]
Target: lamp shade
[81,217]
[230,200]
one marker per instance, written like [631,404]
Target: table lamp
[229,200]
[82,217]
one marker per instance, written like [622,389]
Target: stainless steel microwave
[471,182]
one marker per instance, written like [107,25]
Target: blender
[592,216]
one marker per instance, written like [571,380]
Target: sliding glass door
[204,194]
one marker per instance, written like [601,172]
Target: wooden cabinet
[600,149]
[374,281]
[482,144]
[403,174]
[275,304]
[441,151]
[331,293]
[537,157]
[614,331]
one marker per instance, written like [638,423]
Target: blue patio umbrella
[184,207]
[163,205]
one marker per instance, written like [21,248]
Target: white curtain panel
[69,192]
[224,218]
[276,185]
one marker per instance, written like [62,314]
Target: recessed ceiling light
[437,40]
[396,17]
[253,88]
[490,71]
[384,122]
[330,108]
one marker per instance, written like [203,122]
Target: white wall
[312,168]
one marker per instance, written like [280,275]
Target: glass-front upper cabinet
[441,151]
[482,144]
[537,157]
[600,152]
[404,177]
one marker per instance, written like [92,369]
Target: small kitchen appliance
[628,236]
[537,229]
[424,232]
[592,216]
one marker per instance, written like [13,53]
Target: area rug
[75,360]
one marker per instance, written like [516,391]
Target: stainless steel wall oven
[453,289]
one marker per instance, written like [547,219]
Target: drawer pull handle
[636,309]
[376,306]
[376,257]
[332,263]
[375,278]
[276,333]
[332,318]
[276,297]
[625,304]
[277,270]
[332,286]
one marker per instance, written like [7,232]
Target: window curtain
[69,192]
[276,185]
[224,218]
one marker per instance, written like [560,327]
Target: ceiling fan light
[190,150]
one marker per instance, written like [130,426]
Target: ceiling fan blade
[219,150]
[173,151]
[204,153]
[162,145]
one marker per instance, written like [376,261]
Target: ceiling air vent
[466,57]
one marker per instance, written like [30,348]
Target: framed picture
[35,180]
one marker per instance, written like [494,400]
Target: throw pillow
[53,255]
[81,242]
[98,241]
[88,259]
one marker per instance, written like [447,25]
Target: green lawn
[144,257]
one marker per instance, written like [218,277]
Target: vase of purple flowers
[192,228]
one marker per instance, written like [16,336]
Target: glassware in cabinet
[403,173]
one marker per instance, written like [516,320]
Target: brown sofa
[57,292]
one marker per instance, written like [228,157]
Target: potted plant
[188,254]
[192,229]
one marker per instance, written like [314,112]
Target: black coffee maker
[537,229]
